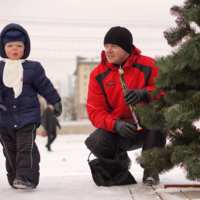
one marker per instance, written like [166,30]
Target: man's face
[14,50]
[115,54]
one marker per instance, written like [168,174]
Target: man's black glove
[2,108]
[57,109]
[126,129]
[132,97]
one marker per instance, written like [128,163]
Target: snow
[65,174]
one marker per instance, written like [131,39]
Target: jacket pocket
[30,106]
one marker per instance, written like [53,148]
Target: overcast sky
[133,10]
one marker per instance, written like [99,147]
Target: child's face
[14,50]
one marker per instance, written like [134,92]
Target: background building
[82,74]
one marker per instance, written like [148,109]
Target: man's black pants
[21,152]
[110,143]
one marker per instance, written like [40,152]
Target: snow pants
[21,152]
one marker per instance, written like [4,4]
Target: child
[20,82]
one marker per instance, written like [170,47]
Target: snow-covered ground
[65,174]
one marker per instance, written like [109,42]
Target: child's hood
[27,40]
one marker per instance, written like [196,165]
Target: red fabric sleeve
[97,107]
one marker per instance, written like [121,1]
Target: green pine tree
[176,111]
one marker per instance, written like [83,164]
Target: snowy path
[65,174]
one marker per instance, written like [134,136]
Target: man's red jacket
[105,94]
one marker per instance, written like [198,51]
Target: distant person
[21,81]
[108,109]
[49,122]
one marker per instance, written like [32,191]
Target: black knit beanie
[119,36]
[12,36]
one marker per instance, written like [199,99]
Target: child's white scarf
[13,75]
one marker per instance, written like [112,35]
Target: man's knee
[102,143]
[92,140]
